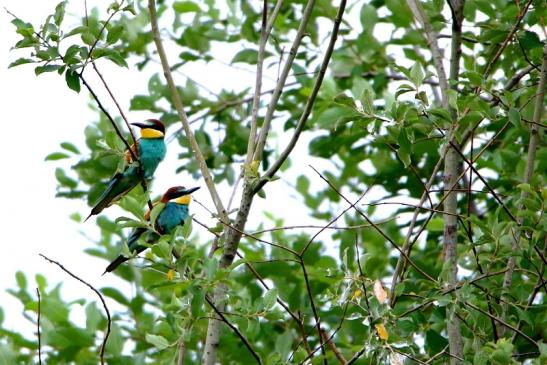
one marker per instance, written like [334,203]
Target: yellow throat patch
[151,133]
[185,199]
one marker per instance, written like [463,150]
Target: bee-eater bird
[173,214]
[150,150]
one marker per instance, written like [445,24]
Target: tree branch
[108,318]
[309,102]
[529,170]
[182,115]
[301,32]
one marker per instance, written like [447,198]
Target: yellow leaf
[357,294]
[379,292]
[382,332]
[170,274]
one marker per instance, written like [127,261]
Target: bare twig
[504,44]
[431,38]
[182,114]
[235,330]
[314,310]
[311,99]
[376,227]
[301,32]
[500,321]
[265,31]
[333,347]
[108,318]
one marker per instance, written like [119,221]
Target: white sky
[41,112]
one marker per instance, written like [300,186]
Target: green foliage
[377,122]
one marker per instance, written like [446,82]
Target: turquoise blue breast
[152,152]
[171,216]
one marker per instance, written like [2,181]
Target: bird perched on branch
[173,213]
[150,151]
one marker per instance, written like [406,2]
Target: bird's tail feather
[114,264]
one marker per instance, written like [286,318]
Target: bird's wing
[135,149]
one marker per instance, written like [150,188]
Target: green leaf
[72,80]
[405,147]
[21,280]
[270,298]
[283,344]
[46,68]
[132,205]
[7,354]
[23,28]
[367,100]
[186,7]
[77,30]
[142,102]
[88,38]
[155,212]
[345,100]
[514,117]
[21,61]
[93,316]
[116,58]
[56,156]
[417,74]
[64,180]
[436,225]
[158,341]
[453,98]
[369,18]
[116,295]
[249,56]
[59,13]
[114,34]
[210,267]
[70,147]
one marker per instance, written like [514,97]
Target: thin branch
[407,245]
[310,101]
[528,172]
[311,226]
[38,328]
[501,321]
[265,31]
[333,347]
[314,310]
[108,318]
[181,113]
[431,38]
[126,120]
[280,302]
[377,228]
[504,44]
[235,329]
[415,206]
[301,32]
[310,241]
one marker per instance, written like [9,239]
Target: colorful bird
[150,149]
[173,214]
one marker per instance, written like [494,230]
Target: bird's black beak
[191,190]
[183,191]
[140,125]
